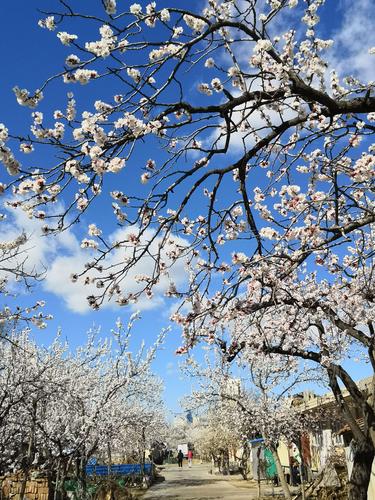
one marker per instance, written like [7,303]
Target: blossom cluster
[83,402]
[6,156]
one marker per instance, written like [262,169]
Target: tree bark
[361,473]
[244,460]
[143,456]
[57,482]
[302,481]
[81,476]
[225,462]
[258,471]
[364,450]
[30,450]
[281,474]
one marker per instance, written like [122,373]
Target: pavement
[196,484]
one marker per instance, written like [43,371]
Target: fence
[119,470]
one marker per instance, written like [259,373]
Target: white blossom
[66,38]
[136,9]
[48,22]
[110,6]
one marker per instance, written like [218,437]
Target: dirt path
[195,484]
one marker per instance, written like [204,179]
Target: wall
[371,488]
[36,489]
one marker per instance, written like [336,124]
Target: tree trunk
[61,489]
[244,460]
[109,453]
[280,473]
[302,481]
[143,454]
[258,472]
[225,462]
[57,481]
[81,477]
[361,473]
[30,449]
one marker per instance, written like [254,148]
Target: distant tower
[189,416]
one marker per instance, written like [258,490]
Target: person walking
[190,458]
[180,457]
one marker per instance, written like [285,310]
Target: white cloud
[62,256]
[243,141]
[38,250]
[349,56]
[74,294]
[353,39]
[176,306]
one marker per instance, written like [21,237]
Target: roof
[346,428]
[328,399]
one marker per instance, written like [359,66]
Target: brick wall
[36,489]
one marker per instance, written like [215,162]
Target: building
[333,434]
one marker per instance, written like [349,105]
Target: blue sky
[29,55]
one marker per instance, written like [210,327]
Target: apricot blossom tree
[59,408]
[236,411]
[278,149]
[258,170]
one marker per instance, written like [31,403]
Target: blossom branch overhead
[289,118]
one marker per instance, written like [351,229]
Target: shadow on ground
[157,497]
[187,482]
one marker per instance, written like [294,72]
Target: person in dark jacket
[180,457]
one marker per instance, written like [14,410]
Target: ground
[198,484]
